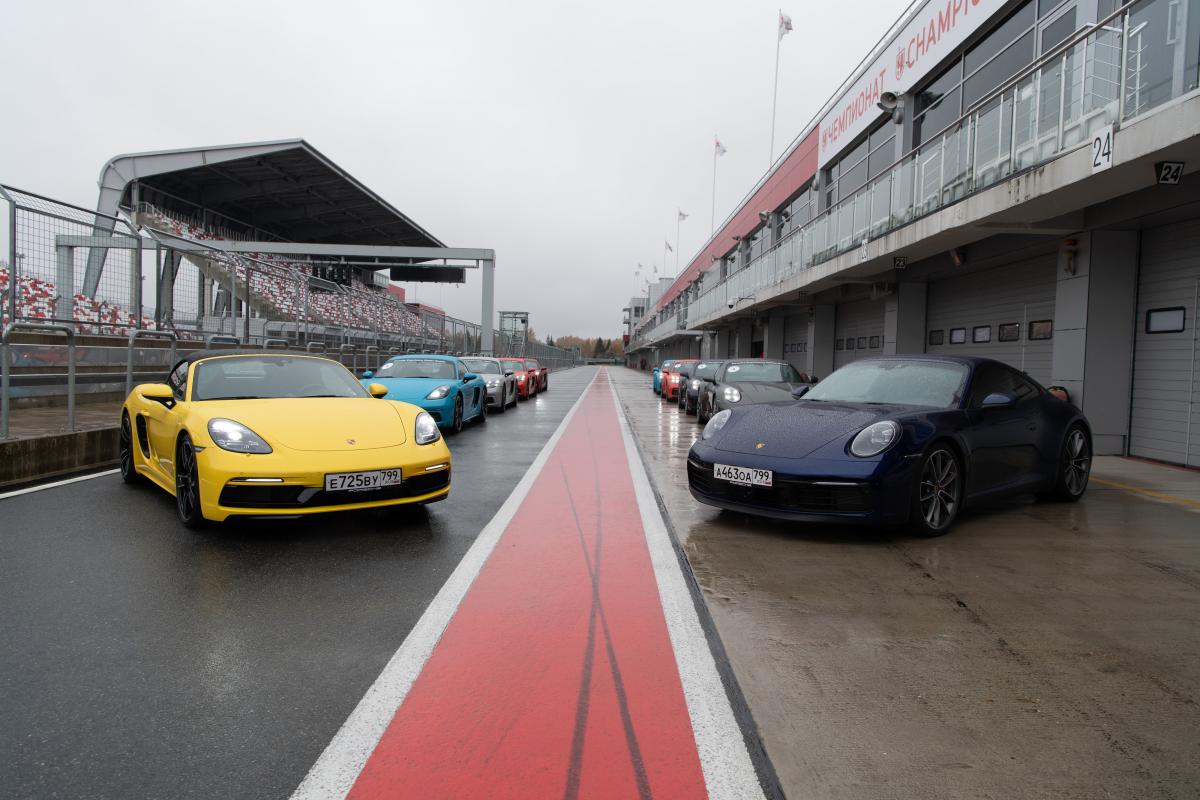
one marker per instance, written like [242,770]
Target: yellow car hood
[317,423]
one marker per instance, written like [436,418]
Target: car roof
[971,361]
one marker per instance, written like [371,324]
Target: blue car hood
[798,428]
[410,390]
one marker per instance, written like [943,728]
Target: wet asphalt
[1039,650]
[141,660]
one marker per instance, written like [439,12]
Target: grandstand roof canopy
[286,189]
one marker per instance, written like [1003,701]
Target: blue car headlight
[439,393]
[236,437]
[425,430]
[875,438]
[716,423]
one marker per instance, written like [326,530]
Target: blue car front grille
[801,495]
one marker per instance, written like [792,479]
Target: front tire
[129,472]
[457,423]
[502,406]
[1074,466]
[483,412]
[937,493]
[187,485]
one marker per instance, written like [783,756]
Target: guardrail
[5,377]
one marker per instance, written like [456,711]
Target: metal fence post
[136,334]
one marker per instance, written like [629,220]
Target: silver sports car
[501,383]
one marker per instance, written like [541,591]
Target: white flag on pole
[785,25]
[682,216]
[720,148]
[668,246]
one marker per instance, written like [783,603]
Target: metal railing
[5,369]
[1129,63]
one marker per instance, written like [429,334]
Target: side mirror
[800,391]
[470,376]
[998,400]
[508,373]
[368,373]
[159,392]
[377,390]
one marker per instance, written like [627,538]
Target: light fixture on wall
[1069,247]
[764,215]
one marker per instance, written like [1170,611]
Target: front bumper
[493,395]
[808,490]
[225,492]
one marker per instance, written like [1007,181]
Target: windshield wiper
[238,397]
[307,396]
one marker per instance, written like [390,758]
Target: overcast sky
[564,135]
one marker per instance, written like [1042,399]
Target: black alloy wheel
[502,406]
[513,395]
[456,426]
[129,473]
[187,484]
[939,491]
[1074,466]
[483,412]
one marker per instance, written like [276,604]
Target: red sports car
[527,383]
[542,373]
[672,380]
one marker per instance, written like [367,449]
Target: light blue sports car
[442,385]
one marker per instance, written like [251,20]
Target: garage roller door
[857,331]
[1005,313]
[1164,422]
[795,340]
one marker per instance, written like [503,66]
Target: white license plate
[360,481]
[748,477]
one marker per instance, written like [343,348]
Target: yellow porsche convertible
[278,435]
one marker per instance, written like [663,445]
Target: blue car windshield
[933,384]
[417,368]
[272,377]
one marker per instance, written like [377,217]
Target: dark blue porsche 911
[893,440]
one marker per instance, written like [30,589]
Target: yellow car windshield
[268,377]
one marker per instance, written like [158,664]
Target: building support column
[820,341]
[721,344]
[773,340]
[1108,260]
[487,310]
[745,332]
[904,319]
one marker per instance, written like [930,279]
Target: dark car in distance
[694,376]
[893,440]
[745,381]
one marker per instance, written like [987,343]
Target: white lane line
[334,773]
[32,489]
[728,770]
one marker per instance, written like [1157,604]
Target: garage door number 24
[1102,149]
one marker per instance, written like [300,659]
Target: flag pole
[775,95]
[678,221]
[713,219]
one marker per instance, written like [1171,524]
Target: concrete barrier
[42,457]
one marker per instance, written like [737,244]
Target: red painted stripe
[548,683]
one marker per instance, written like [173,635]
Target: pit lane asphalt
[140,659]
